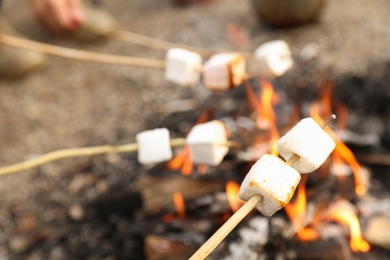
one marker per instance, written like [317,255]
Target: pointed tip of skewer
[330,119]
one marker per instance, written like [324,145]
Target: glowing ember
[232,190]
[297,213]
[346,215]
[179,205]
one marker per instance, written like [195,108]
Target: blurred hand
[59,16]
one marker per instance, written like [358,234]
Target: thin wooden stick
[81,55]
[231,223]
[86,151]
[154,43]
[226,228]
[67,153]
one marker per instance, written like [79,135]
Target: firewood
[159,248]
[157,192]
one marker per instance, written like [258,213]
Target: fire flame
[347,216]
[344,152]
[232,190]
[183,158]
[265,111]
[179,205]
[297,213]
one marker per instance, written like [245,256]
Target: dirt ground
[75,103]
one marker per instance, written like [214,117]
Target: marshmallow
[272,179]
[154,146]
[308,140]
[224,71]
[183,67]
[206,143]
[272,59]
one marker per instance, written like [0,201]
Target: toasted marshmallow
[272,59]
[224,71]
[272,179]
[206,142]
[183,67]
[154,146]
[308,140]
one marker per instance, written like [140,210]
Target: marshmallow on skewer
[224,71]
[272,59]
[206,143]
[154,146]
[272,179]
[183,67]
[308,140]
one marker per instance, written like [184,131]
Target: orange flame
[179,205]
[346,216]
[267,99]
[345,153]
[232,190]
[265,111]
[297,213]
[183,158]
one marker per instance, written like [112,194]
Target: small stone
[79,182]
[19,244]
[76,212]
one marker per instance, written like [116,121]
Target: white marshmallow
[205,142]
[272,59]
[272,179]
[308,140]
[224,71]
[183,67]
[154,146]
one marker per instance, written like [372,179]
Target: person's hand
[59,16]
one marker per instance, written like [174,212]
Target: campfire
[191,186]
[324,218]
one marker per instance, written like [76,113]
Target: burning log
[158,247]
[318,249]
[157,192]
[154,195]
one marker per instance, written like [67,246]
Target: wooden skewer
[234,220]
[151,42]
[86,151]
[155,43]
[81,55]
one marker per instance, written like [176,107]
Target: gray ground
[74,103]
